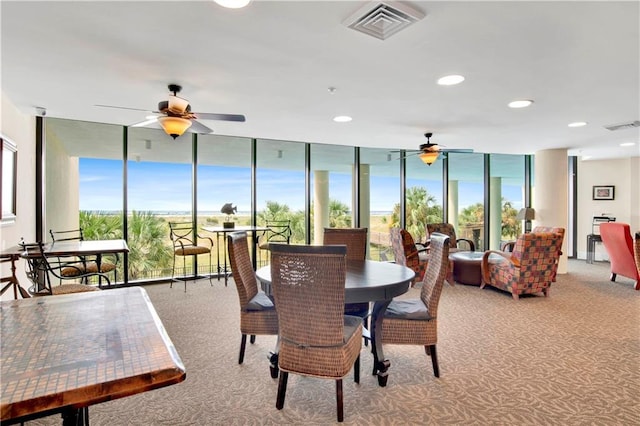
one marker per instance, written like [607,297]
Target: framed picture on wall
[603,192]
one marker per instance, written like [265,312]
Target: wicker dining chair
[415,321]
[454,242]
[407,253]
[257,312]
[316,338]
[356,241]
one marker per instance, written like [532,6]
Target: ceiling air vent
[623,125]
[383,19]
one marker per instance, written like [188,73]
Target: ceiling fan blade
[455,150]
[199,128]
[119,107]
[222,117]
[147,123]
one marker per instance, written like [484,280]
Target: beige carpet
[570,359]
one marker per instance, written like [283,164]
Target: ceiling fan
[429,152]
[175,115]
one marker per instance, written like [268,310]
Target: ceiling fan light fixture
[177,105]
[429,157]
[233,4]
[174,126]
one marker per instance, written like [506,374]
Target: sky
[164,187]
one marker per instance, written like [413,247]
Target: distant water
[203,212]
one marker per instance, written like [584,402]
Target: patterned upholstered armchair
[529,269]
[454,243]
[557,231]
[408,254]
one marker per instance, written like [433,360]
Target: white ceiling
[274,62]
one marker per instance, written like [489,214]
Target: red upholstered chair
[407,253]
[529,269]
[616,238]
[558,231]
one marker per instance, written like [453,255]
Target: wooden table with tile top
[61,354]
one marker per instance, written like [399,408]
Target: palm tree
[421,209]
[339,216]
[100,226]
[510,225]
[274,211]
[148,249]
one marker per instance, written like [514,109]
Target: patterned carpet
[570,359]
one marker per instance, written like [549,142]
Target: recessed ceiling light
[450,80]
[233,4]
[342,119]
[577,124]
[523,103]
[628,144]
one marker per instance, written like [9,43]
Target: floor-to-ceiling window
[506,197]
[466,196]
[83,180]
[159,189]
[223,177]
[423,194]
[379,198]
[84,185]
[280,188]
[332,184]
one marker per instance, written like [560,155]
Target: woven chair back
[308,287]
[436,273]
[354,238]
[242,268]
[443,228]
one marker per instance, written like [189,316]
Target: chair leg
[173,271]
[184,272]
[613,276]
[339,400]
[243,345]
[515,296]
[356,370]
[282,389]
[252,339]
[210,269]
[431,351]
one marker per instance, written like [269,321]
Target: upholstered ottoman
[467,267]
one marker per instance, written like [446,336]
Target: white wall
[624,174]
[20,129]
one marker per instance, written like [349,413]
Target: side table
[467,267]
[592,239]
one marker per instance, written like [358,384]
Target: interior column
[495,213]
[320,204]
[551,196]
[365,200]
